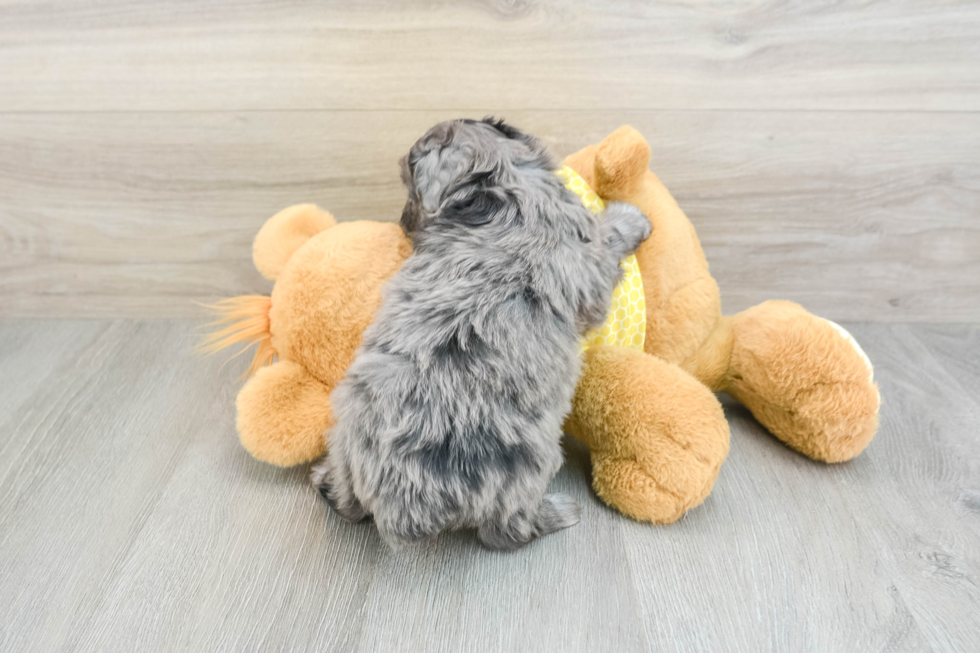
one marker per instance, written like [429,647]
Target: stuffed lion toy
[645,404]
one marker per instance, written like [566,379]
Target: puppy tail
[243,319]
[409,524]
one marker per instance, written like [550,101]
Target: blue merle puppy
[451,414]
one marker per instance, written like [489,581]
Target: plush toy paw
[283,412]
[805,379]
[631,488]
[658,436]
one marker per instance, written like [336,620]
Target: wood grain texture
[827,151]
[131,519]
[507,54]
[871,216]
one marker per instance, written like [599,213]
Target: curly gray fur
[451,414]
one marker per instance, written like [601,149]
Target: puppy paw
[558,511]
[319,479]
[554,513]
[348,507]
[318,473]
[628,224]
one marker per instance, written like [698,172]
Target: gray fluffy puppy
[451,414]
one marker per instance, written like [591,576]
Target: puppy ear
[536,155]
[435,172]
[406,171]
[504,128]
[411,217]
[477,208]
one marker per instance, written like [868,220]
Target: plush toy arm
[804,378]
[657,435]
[284,233]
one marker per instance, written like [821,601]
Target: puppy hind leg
[554,513]
[335,487]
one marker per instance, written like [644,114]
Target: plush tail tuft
[243,319]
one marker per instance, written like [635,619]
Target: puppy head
[458,172]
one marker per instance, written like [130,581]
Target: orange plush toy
[646,409]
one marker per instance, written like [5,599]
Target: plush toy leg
[658,436]
[805,379]
[282,414]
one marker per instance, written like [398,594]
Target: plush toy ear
[284,233]
[620,162]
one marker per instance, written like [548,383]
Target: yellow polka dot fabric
[626,323]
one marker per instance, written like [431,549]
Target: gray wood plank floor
[130,519]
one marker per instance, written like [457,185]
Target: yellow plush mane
[626,323]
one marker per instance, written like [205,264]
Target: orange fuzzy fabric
[282,414]
[800,378]
[284,233]
[657,434]
[328,292]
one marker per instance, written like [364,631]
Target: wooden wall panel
[157,55]
[859,216]
[827,152]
